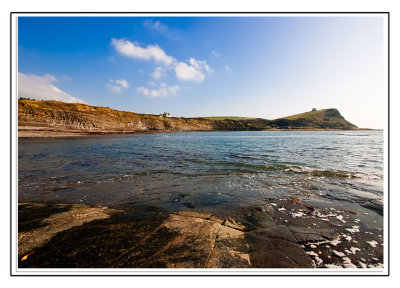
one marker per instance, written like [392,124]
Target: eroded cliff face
[58,115]
[42,118]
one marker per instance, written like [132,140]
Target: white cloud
[193,72]
[41,88]
[158,73]
[188,73]
[227,68]
[200,65]
[122,82]
[214,53]
[151,52]
[118,85]
[163,91]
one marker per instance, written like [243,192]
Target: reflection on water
[215,171]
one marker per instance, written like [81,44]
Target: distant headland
[57,119]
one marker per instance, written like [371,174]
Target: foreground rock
[78,236]
[71,216]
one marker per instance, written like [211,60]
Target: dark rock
[304,234]
[184,239]
[275,253]
[277,232]
[255,218]
[374,205]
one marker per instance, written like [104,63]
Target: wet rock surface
[284,233]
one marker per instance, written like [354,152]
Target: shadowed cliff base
[52,118]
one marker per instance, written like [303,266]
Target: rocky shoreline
[284,233]
[45,132]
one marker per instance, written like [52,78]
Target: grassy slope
[319,119]
[325,118]
[315,115]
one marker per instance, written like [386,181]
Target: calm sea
[208,171]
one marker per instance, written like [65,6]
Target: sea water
[219,172]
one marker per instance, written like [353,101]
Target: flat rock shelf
[281,234]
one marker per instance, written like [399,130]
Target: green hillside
[325,118]
[318,119]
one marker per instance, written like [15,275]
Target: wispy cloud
[150,52]
[215,53]
[42,88]
[152,83]
[155,25]
[118,86]
[227,68]
[114,89]
[162,91]
[164,30]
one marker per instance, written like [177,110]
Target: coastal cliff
[47,118]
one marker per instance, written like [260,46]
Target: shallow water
[218,172]
[318,181]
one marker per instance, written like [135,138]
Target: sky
[267,67]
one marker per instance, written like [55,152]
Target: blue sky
[265,67]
